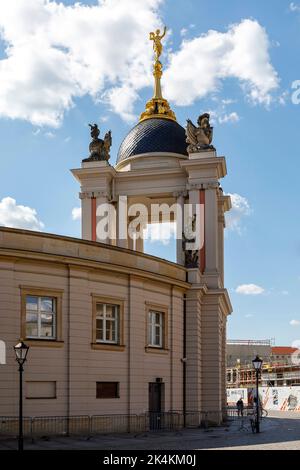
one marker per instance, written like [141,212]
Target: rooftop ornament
[99,148]
[157,107]
[199,138]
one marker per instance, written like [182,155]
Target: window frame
[105,319]
[39,312]
[152,329]
[163,310]
[108,382]
[108,345]
[42,292]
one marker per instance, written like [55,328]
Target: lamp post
[21,350]
[257,363]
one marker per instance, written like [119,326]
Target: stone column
[122,222]
[194,377]
[180,226]
[215,308]
[211,230]
[221,226]
[86,215]
[193,350]
[101,199]
[211,339]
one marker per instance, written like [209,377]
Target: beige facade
[65,370]
[187,363]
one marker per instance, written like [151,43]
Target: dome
[153,135]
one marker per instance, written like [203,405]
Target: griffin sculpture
[99,148]
[199,138]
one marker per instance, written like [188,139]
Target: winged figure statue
[199,138]
[99,148]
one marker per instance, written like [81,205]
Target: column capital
[180,193]
[86,195]
[90,194]
[206,185]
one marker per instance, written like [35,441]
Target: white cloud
[295,322]
[17,216]
[294,7]
[231,117]
[49,135]
[162,232]
[183,32]
[227,101]
[203,62]
[240,208]
[249,289]
[76,213]
[57,52]
[121,101]
[249,315]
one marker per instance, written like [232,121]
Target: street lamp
[257,363]
[21,350]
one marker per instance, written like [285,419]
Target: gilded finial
[157,45]
[157,106]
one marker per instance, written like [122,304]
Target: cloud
[55,53]
[49,135]
[201,64]
[249,315]
[295,322]
[162,232]
[294,7]
[240,208]
[231,117]
[183,32]
[76,213]
[249,289]
[17,216]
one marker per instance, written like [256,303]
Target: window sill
[108,347]
[44,343]
[153,349]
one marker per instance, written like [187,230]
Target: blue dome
[153,135]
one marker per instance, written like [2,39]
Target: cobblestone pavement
[280,431]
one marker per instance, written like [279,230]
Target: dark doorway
[156,404]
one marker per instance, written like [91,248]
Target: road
[280,431]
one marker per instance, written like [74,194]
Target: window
[107,390]
[40,317]
[107,323]
[155,326]
[40,390]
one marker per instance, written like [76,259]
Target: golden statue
[157,106]
[157,45]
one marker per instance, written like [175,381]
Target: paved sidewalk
[281,430]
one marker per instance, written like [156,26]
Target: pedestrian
[240,407]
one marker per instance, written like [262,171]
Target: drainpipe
[184,362]
[69,350]
[128,352]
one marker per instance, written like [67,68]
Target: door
[156,399]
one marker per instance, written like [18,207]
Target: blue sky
[48,95]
